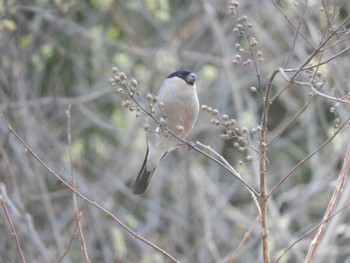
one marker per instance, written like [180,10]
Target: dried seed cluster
[244,28]
[128,87]
[239,135]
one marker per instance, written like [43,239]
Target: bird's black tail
[143,178]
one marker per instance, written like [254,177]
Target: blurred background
[57,55]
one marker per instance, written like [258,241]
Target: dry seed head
[247,62]
[253,42]
[146,127]
[114,70]
[120,90]
[236,145]
[253,89]
[117,79]
[180,128]
[259,54]
[249,158]
[204,107]
[225,136]
[332,109]
[149,97]
[126,104]
[122,76]
[232,122]
[238,58]
[225,117]
[244,130]
[236,30]
[243,19]
[214,112]
[162,120]
[254,131]
[133,83]
[235,3]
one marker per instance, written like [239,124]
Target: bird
[177,108]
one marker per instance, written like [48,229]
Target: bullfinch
[177,109]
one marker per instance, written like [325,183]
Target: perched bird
[177,107]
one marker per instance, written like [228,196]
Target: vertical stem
[263,202]
[263,147]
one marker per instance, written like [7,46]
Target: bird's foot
[190,146]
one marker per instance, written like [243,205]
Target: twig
[280,131]
[308,157]
[331,206]
[307,84]
[13,230]
[244,239]
[70,241]
[78,214]
[223,160]
[310,232]
[86,199]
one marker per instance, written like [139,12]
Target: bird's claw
[190,146]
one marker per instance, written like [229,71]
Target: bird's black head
[184,74]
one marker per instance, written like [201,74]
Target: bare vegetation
[264,179]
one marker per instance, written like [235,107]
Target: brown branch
[13,230]
[70,241]
[308,157]
[244,239]
[310,232]
[78,214]
[86,199]
[331,206]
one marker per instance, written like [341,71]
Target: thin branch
[310,232]
[244,239]
[13,230]
[86,199]
[295,117]
[331,206]
[70,242]
[308,157]
[78,214]
[223,160]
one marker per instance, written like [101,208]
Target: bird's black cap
[184,74]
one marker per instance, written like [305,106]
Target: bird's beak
[191,78]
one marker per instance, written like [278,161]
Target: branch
[86,199]
[9,220]
[331,206]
